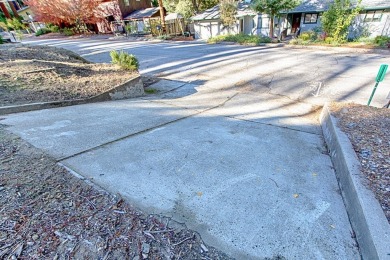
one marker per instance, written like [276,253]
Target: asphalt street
[230,145]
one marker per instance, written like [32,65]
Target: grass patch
[240,38]
[151,90]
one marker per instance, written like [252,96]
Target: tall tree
[228,10]
[272,8]
[75,12]
[162,12]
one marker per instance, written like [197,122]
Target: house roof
[323,5]
[143,13]
[24,8]
[243,9]
[376,4]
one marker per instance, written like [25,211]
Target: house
[141,20]
[208,24]
[372,21]
[115,11]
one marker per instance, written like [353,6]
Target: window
[373,16]
[127,2]
[310,18]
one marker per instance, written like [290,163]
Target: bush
[1,40]
[298,41]
[240,38]
[124,60]
[16,24]
[53,28]
[332,41]
[382,40]
[164,37]
[308,36]
[68,31]
[42,31]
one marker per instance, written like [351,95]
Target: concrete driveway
[234,155]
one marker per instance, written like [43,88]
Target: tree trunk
[271,29]
[11,4]
[5,10]
[194,4]
[162,13]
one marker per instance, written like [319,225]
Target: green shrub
[164,37]
[124,60]
[308,36]
[42,31]
[68,31]
[53,28]
[382,40]
[240,38]
[296,41]
[1,40]
[216,39]
[16,24]
[329,40]
[333,41]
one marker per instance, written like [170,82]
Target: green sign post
[379,78]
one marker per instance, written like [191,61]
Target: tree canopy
[188,8]
[228,9]
[272,8]
[73,13]
[337,19]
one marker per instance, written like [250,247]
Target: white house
[208,24]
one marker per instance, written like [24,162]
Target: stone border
[130,89]
[368,221]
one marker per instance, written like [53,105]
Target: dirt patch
[30,74]
[48,213]
[368,129]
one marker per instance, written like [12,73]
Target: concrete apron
[248,171]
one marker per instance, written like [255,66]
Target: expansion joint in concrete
[145,130]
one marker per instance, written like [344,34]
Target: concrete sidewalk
[248,171]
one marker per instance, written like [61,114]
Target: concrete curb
[339,49]
[130,89]
[368,221]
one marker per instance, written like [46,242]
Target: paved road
[312,75]
[224,147]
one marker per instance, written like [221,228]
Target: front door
[296,22]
